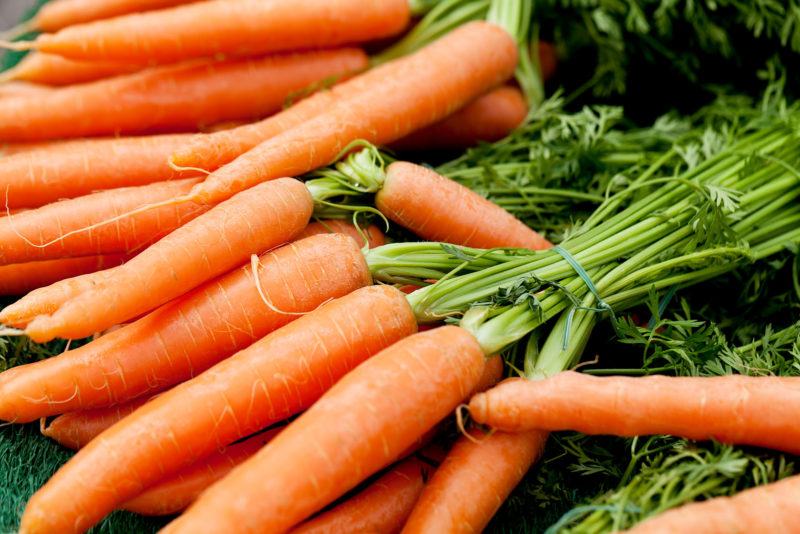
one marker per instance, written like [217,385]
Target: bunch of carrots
[202,188]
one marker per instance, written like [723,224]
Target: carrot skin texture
[768,508]
[185,337]
[172,97]
[59,14]
[475,57]
[380,408]
[75,430]
[14,88]
[235,28]
[280,375]
[375,237]
[729,409]
[18,279]
[383,506]
[421,200]
[222,239]
[52,70]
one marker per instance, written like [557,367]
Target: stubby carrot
[75,430]
[374,236]
[173,97]
[59,14]
[20,278]
[272,379]
[422,201]
[357,428]
[416,91]
[189,335]
[49,69]
[206,247]
[768,508]
[729,409]
[383,506]
[488,118]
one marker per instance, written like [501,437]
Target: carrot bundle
[20,278]
[729,409]
[189,335]
[173,97]
[59,14]
[274,378]
[52,70]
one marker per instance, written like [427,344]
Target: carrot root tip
[18,46]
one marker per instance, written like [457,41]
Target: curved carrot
[417,90]
[358,427]
[44,233]
[422,201]
[189,335]
[727,408]
[18,279]
[272,379]
[383,506]
[59,14]
[768,508]
[486,119]
[75,430]
[52,70]
[173,97]
[205,29]
[47,172]
[375,237]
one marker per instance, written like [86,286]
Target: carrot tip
[19,46]
[18,30]
[10,332]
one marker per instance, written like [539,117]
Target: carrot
[172,97]
[52,70]
[59,14]
[51,232]
[214,27]
[475,478]
[487,118]
[18,279]
[187,336]
[383,506]
[11,89]
[767,508]
[727,408]
[375,237]
[358,427]
[415,91]
[47,172]
[272,379]
[422,201]
[75,430]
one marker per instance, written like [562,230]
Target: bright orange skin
[175,97]
[423,201]
[187,336]
[278,376]
[729,409]
[13,88]
[75,429]
[19,278]
[379,409]
[383,506]
[244,27]
[375,237]
[223,238]
[413,92]
[59,14]
[53,70]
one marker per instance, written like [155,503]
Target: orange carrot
[767,508]
[383,506]
[18,279]
[10,89]
[272,379]
[49,69]
[75,430]
[172,97]
[358,427]
[487,118]
[416,91]
[214,27]
[727,408]
[548,59]
[36,234]
[189,335]
[375,237]
[46,172]
[59,14]
[422,201]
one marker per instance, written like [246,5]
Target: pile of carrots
[246,372]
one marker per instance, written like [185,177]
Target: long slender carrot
[729,409]
[75,430]
[18,279]
[274,378]
[52,70]
[36,234]
[209,28]
[767,508]
[11,89]
[59,14]
[485,119]
[44,173]
[358,427]
[173,97]
[189,335]
[416,91]
[422,200]
[383,506]
[373,234]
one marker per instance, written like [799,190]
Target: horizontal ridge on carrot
[20,278]
[729,409]
[52,70]
[269,381]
